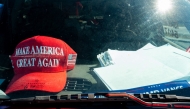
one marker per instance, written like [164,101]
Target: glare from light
[164,5]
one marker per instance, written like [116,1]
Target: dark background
[122,27]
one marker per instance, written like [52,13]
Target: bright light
[164,5]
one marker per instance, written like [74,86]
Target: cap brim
[49,82]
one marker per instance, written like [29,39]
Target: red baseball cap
[40,63]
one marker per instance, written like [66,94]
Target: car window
[133,46]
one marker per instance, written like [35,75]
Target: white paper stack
[146,66]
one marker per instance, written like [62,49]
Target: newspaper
[146,66]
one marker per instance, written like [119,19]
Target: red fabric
[78,4]
[40,63]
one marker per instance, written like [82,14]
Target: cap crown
[43,54]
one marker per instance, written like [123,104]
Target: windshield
[55,47]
